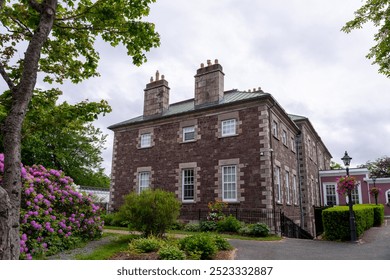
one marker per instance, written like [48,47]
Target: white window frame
[284,137]
[143,181]
[325,191]
[387,197]
[275,128]
[146,140]
[295,190]
[293,144]
[188,181]
[288,192]
[229,127]
[229,183]
[278,185]
[356,193]
[188,130]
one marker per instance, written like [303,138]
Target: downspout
[272,164]
[297,142]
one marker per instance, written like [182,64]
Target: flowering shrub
[346,183]
[216,210]
[53,217]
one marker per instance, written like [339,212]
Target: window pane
[229,183]
[146,140]
[331,195]
[144,181]
[229,127]
[188,133]
[188,181]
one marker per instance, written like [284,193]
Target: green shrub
[171,252]
[114,219]
[200,246]
[222,243]
[336,220]
[152,211]
[256,230]
[193,227]
[229,224]
[206,226]
[145,245]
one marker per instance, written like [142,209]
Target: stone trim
[187,123]
[227,116]
[146,131]
[136,177]
[239,184]
[178,185]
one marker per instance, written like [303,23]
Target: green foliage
[171,252]
[200,246]
[379,167]
[62,136]
[114,219]
[221,243]
[206,226]
[229,224]
[152,211]
[336,220]
[377,12]
[69,52]
[256,230]
[192,227]
[145,245]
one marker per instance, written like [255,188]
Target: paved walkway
[373,245]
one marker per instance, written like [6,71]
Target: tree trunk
[10,195]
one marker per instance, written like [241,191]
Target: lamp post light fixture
[347,160]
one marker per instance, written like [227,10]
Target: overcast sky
[292,49]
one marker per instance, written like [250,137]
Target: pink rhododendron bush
[54,216]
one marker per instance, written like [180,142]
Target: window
[275,129]
[295,190]
[146,140]
[284,137]
[228,127]
[292,144]
[188,133]
[388,197]
[288,193]
[144,181]
[188,184]
[330,197]
[355,196]
[229,183]
[278,186]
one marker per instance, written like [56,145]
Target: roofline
[162,117]
[342,172]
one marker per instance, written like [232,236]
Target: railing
[292,230]
[266,216]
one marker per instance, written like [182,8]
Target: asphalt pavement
[374,244]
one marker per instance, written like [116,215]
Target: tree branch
[80,14]
[35,5]
[6,78]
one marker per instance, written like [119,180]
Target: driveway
[373,245]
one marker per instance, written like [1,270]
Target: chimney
[209,83]
[156,100]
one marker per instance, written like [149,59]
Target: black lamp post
[375,195]
[347,160]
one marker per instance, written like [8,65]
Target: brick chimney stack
[209,83]
[156,100]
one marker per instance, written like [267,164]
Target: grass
[105,252]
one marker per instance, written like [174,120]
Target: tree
[335,165]
[62,136]
[377,12]
[379,168]
[56,39]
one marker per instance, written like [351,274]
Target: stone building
[236,146]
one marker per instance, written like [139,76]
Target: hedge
[336,220]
